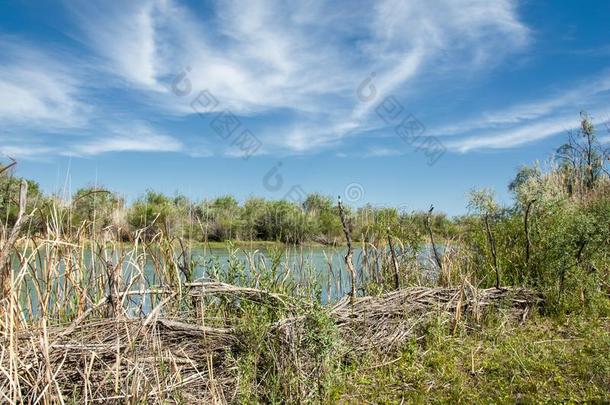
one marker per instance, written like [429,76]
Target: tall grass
[104,320]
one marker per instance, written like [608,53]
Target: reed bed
[185,349]
[106,322]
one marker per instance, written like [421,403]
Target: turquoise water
[317,271]
[324,266]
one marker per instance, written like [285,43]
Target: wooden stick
[527,233]
[5,252]
[492,245]
[350,250]
[437,257]
[394,261]
[5,168]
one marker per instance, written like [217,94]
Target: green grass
[544,360]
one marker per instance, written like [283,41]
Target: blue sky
[273,99]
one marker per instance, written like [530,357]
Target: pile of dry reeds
[388,320]
[103,358]
[169,360]
[121,361]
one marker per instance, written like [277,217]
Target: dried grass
[158,359]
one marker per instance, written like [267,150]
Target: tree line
[93,211]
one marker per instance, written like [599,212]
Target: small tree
[482,202]
[582,158]
[9,198]
[94,206]
[322,215]
[151,212]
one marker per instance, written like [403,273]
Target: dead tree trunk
[113,291]
[5,252]
[394,261]
[492,246]
[186,268]
[437,257]
[527,233]
[350,250]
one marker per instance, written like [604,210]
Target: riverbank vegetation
[512,306]
[95,212]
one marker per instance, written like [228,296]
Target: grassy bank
[544,360]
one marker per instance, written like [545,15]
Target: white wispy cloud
[530,110]
[381,152]
[266,55]
[37,90]
[25,152]
[46,108]
[516,136]
[136,138]
[530,121]
[124,35]
[132,137]
[466,35]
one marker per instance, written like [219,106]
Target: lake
[317,271]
